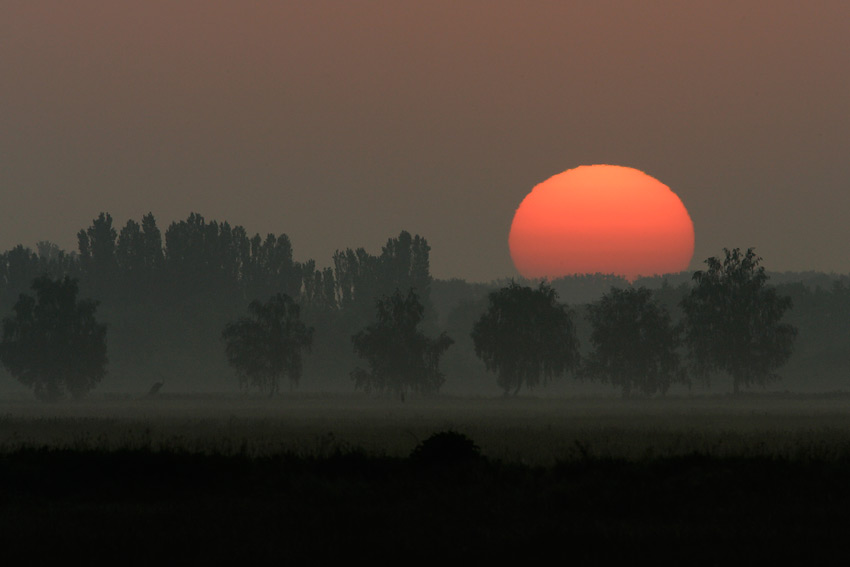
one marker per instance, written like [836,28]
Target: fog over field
[534,431]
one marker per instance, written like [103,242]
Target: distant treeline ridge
[166,299]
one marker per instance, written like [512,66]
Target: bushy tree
[733,321]
[401,358]
[268,344]
[53,343]
[526,337]
[634,343]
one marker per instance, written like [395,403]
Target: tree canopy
[53,342]
[526,337]
[733,321]
[401,358]
[268,344]
[634,343]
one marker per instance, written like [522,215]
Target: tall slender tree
[98,261]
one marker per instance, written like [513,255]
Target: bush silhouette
[446,448]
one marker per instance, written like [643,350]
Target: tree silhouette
[362,278]
[53,343]
[401,358]
[634,343]
[97,246]
[525,336]
[18,268]
[268,345]
[732,321]
[139,248]
[405,264]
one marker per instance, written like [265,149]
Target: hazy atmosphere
[381,282]
[341,124]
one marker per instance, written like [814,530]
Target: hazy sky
[342,123]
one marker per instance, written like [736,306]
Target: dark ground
[141,506]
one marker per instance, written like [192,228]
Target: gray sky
[342,123]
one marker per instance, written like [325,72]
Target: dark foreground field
[710,481]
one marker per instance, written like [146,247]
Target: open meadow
[528,430]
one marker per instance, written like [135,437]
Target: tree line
[165,296]
[187,293]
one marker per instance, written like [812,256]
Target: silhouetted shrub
[446,447]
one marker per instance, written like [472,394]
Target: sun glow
[601,219]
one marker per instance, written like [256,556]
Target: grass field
[533,431]
[311,479]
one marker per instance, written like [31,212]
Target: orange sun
[601,219]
